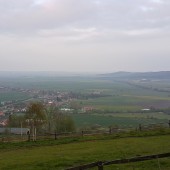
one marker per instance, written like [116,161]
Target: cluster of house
[48,98]
[3,119]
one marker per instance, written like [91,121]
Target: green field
[45,156]
[123,97]
[150,115]
[82,84]
[121,120]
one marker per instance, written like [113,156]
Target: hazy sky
[84,35]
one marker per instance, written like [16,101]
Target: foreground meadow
[51,155]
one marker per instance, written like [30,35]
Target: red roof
[1,113]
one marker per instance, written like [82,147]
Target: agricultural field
[121,120]
[120,103]
[62,154]
[127,102]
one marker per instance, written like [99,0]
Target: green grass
[45,156]
[126,103]
[150,115]
[105,120]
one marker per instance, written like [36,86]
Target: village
[65,101]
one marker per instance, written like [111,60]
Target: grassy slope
[76,153]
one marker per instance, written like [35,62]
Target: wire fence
[19,134]
[101,164]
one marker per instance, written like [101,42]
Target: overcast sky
[84,35]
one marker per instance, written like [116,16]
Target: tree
[35,117]
[64,123]
[51,112]
[58,122]
[16,120]
[74,105]
[50,118]
[36,111]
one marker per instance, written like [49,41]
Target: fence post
[169,123]
[100,166]
[55,136]
[110,130]
[140,127]
[29,137]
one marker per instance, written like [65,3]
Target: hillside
[60,156]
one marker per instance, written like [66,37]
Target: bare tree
[59,122]
[35,117]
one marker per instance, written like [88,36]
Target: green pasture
[156,115]
[106,120]
[126,100]
[61,156]
[117,108]
[126,103]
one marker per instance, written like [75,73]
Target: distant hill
[138,75]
